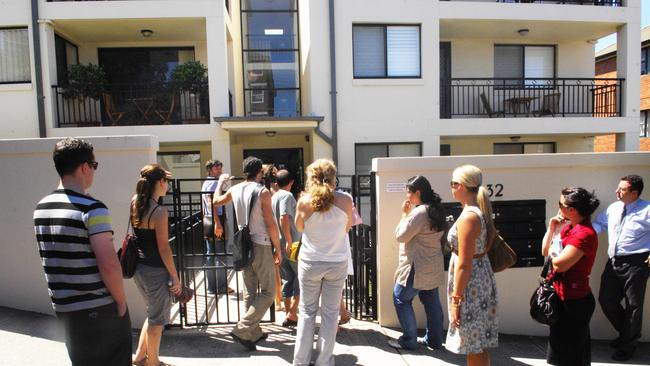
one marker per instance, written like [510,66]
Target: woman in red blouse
[569,339]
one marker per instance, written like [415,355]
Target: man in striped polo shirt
[84,277]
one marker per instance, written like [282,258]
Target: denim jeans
[403,300]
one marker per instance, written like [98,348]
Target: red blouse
[574,283]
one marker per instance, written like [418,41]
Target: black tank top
[148,253]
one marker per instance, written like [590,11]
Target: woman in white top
[324,216]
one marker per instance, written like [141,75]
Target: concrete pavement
[36,339]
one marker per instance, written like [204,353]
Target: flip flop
[140,363]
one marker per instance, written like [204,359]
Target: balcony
[128,105]
[528,97]
[615,3]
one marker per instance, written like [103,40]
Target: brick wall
[607,143]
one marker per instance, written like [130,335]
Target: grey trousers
[322,281]
[262,272]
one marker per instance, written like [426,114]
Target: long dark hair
[149,176]
[581,200]
[435,211]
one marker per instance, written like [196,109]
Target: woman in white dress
[471,289]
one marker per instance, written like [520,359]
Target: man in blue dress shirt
[627,222]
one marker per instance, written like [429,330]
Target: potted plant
[192,77]
[85,81]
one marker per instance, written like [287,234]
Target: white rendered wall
[523,177]
[30,160]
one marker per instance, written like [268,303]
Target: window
[524,148]
[445,149]
[14,56]
[644,62]
[66,54]
[386,51]
[364,153]
[643,132]
[518,62]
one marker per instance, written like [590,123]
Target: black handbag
[128,254]
[242,251]
[545,303]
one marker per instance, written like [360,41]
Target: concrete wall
[523,177]
[28,175]
[485,146]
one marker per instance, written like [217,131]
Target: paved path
[35,339]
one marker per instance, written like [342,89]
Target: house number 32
[495,190]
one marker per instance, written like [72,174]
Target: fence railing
[128,104]
[530,97]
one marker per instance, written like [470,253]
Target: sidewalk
[36,339]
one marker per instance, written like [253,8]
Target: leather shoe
[621,355]
[263,337]
[249,345]
[616,343]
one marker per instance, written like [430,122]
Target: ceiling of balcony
[539,31]
[128,30]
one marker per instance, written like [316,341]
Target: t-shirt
[283,203]
[210,185]
[63,222]
[574,283]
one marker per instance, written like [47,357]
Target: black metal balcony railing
[128,104]
[527,97]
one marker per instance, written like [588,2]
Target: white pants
[324,281]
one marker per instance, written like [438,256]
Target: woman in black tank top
[156,265]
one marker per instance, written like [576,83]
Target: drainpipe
[38,72]
[335,139]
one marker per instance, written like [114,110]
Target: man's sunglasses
[93,164]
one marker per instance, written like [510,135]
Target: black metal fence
[128,104]
[530,97]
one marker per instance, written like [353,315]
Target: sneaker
[422,342]
[621,355]
[249,345]
[395,344]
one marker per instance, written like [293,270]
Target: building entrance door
[290,159]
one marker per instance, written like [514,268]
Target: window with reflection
[271,57]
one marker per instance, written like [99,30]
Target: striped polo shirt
[63,222]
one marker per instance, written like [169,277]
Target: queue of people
[75,239]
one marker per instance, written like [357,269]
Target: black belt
[637,258]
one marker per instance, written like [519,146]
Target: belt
[637,258]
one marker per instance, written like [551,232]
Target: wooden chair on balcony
[488,108]
[550,105]
[112,114]
[166,115]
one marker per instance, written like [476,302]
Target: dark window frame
[387,144]
[385,26]
[643,127]
[62,79]
[645,69]
[30,57]
[296,50]
[523,66]
[523,144]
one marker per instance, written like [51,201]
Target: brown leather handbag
[500,254]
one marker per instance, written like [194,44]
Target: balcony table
[520,104]
[143,105]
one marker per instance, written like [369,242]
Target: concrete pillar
[215,29]
[628,60]
[48,61]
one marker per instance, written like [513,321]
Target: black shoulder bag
[128,254]
[242,251]
[545,303]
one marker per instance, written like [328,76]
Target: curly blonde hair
[321,181]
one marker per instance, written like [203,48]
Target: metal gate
[361,288]
[196,268]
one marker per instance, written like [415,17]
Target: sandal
[141,362]
[345,319]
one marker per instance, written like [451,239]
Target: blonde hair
[472,178]
[321,178]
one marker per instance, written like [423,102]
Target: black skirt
[569,341]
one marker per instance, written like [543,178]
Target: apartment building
[295,80]
[606,68]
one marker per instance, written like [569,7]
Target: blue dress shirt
[633,237]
